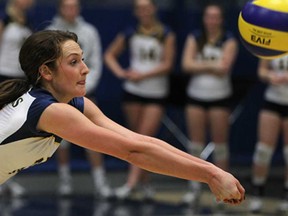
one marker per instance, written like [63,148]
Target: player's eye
[73,62]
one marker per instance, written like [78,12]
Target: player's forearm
[161,160]
[147,155]
[151,154]
[194,67]
[114,66]
[163,69]
[173,149]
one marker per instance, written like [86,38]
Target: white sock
[98,174]
[64,173]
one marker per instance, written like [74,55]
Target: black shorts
[131,98]
[222,103]
[281,110]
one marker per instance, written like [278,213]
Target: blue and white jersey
[146,53]
[278,93]
[205,86]
[21,144]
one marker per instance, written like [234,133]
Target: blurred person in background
[151,45]
[209,55]
[15,27]
[273,121]
[69,18]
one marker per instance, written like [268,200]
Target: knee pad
[64,144]
[221,152]
[263,154]
[195,149]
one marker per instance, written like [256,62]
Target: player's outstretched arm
[147,153]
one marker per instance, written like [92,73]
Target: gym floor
[41,198]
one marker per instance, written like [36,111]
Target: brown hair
[61,2]
[41,48]
[153,2]
[203,39]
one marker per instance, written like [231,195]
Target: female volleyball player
[209,55]
[49,105]
[273,120]
[151,45]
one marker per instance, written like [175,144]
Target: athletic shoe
[104,192]
[256,204]
[283,206]
[123,192]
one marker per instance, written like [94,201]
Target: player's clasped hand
[227,188]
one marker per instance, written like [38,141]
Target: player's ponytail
[12,89]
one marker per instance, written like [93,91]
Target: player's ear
[45,72]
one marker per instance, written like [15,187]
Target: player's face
[24,4]
[70,78]
[69,10]
[144,10]
[212,18]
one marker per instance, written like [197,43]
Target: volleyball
[263,27]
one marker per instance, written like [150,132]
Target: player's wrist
[211,173]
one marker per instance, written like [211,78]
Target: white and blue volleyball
[263,27]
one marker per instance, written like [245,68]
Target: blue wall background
[111,19]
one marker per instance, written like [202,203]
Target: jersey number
[41,160]
[147,55]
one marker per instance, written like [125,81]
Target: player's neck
[213,36]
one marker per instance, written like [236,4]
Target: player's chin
[78,94]
[81,91]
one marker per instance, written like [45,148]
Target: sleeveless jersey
[208,87]
[146,53]
[21,144]
[278,93]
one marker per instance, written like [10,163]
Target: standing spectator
[69,18]
[209,55]
[273,120]
[14,29]
[151,45]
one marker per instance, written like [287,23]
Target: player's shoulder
[41,95]
[166,28]
[197,33]
[129,30]
[228,35]
[89,28]
[44,98]
[4,17]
